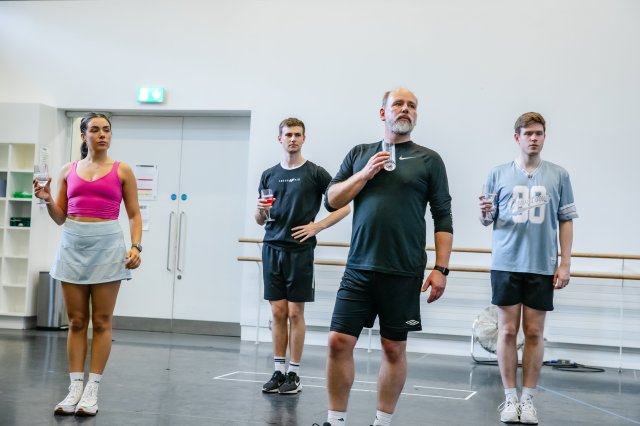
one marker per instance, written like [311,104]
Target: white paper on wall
[146,181]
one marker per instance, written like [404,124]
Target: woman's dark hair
[84,123]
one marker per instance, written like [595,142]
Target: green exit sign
[154,95]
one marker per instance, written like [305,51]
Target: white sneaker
[510,411]
[88,405]
[68,405]
[528,413]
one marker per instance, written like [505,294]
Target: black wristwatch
[444,270]
[137,246]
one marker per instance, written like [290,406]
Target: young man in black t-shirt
[297,186]
[385,267]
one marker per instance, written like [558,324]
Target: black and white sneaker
[291,384]
[274,383]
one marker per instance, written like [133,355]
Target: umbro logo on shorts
[412,322]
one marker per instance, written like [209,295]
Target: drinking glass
[390,164]
[486,195]
[267,196]
[41,175]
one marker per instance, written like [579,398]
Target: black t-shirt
[389,227]
[298,193]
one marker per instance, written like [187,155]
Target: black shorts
[532,290]
[288,274]
[363,295]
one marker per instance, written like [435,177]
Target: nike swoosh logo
[405,158]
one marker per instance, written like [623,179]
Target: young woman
[92,258]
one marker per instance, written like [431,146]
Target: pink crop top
[100,198]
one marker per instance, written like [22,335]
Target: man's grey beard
[402,127]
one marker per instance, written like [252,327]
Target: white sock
[95,378]
[278,362]
[511,393]
[337,418]
[76,376]
[528,393]
[293,366]
[382,419]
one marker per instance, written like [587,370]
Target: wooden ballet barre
[337,244]
[323,244]
[606,256]
[467,269]
[472,250]
[315,262]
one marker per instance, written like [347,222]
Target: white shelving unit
[25,250]
[16,281]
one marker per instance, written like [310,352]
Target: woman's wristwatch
[137,246]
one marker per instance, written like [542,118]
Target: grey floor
[177,379]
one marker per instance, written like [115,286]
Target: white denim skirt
[91,253]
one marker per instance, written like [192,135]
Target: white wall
[475,66]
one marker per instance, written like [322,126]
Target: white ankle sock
[278,362]
[511,392]
[95,378]
[76,376]
[528,392]
[382,419]
[293,366]
[337,418]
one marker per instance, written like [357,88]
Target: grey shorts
[91,253]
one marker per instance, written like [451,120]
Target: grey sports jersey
[528,209]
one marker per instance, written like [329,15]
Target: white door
[189,270]
[151,141]
[213,181]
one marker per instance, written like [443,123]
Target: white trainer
[528,413]
[88,405]
[510,410]
[68,405]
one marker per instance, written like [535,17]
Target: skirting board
[17,322]
[209,328]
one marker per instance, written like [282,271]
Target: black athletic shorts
[288,274]
[532,290]
[363,295]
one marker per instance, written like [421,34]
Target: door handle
[171,215]
[180,267]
